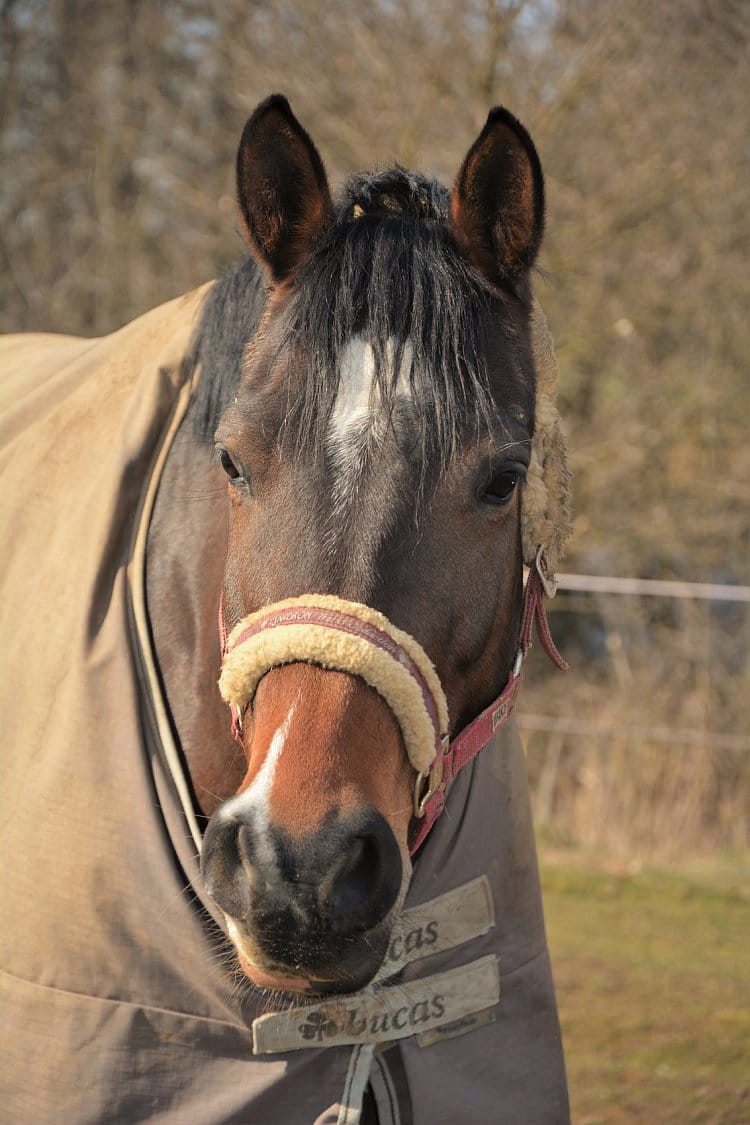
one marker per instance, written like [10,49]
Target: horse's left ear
[497,207]
[282,188]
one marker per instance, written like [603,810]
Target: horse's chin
[261,979]
[272,982]
[279,979]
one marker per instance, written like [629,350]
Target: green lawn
[653,984]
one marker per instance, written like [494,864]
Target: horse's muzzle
[317,907]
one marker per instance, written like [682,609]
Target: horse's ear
[282,188]
[497,207]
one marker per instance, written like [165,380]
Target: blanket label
[457,1028]
[443,923]
[414,1007]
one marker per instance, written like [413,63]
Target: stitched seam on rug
[505,973]
[123,1003]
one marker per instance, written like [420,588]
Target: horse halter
[349,637]
[355,638]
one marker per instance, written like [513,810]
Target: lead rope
[534,613]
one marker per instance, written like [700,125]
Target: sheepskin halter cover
[545,508]
[350,637]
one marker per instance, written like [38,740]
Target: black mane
[387,267]
[228,321]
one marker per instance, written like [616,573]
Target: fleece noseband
[337,634]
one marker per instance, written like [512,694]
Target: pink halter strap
[451,756]
[474,737]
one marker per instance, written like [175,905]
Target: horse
[268,841]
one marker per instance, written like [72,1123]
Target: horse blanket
[119,1000]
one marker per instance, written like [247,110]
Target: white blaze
[255,800]
[355,416]
[357,400]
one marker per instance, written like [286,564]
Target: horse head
[376,450]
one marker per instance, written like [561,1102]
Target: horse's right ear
[497,207]
[282,188]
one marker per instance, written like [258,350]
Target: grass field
[653,980]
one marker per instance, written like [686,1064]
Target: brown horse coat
[117,1001]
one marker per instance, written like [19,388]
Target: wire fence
[652,587]
[643,747]
[645,587]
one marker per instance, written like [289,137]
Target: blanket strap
[357,1077]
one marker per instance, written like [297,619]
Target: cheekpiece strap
[474,737]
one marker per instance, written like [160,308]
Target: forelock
[388,270]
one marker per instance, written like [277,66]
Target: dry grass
[667,684]
[653,982]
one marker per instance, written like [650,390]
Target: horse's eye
[228,465]
[502,486]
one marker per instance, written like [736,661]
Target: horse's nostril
[226,865]
[353,877]
[365,884]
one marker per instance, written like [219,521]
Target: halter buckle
[433,777]
[549,582]
[237,723]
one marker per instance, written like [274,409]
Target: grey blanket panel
[512,1069]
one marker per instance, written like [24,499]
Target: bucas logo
[319,1027]
[404,945]
[413,1007]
